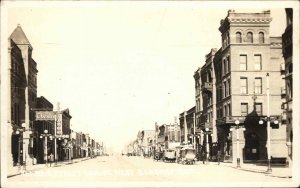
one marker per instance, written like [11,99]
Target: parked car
[169,155]
[187,156]
[158,155]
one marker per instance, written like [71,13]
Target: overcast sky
[121,67]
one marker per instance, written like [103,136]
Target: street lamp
[276,122]
[238,160]
[269,170]
[207,132]
[45,135]
[20,131]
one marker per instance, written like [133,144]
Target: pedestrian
[218,156]
[203,156]
[51,159]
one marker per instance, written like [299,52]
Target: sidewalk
[277,171]
[20,170]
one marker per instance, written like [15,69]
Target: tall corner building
[22,98]
[248,54]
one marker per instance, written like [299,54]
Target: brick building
[247,55]
[39,127]
[22,85]
[186,134]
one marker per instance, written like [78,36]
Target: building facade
[247,59]
[63,133]
[187,126]
[168,136]
[287,68]
[39,127]
[22,85]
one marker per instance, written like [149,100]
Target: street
[116,169]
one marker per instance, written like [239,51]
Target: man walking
[51,158]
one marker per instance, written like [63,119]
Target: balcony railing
[283,91]
[284,106]
[290,106]
[204,125]
[282,67]
[206,86]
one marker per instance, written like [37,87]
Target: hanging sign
[44,115]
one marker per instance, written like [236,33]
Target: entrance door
[252,147]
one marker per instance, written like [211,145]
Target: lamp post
[45,135]
[206,132]
[238,160]
[194,132]
[269,170]
[21,131]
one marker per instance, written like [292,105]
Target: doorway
[252,147]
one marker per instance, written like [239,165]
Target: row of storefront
[243,96]
[34,129]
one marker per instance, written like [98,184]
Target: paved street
[116,169]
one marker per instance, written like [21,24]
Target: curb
[58,165]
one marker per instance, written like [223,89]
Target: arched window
[261,37]
[249,37]
[238,37]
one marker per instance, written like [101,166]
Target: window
[228,84]
[225,89]
[257,62]
[249,37]
[258,85]
[244,109]
[221,112]
[258,108]
[228,64]
[224,67]
[261,37]
[225,110]
[229,110]
[243,62]
[244,85]
[238,37]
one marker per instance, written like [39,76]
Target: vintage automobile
[187,156]
[169,155]
[158,155]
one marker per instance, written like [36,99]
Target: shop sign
[59,125]
[44,115]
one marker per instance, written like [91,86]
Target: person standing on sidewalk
[51,159]
[203,154]
[218,156]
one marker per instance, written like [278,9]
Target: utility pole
[194,136]
[185,128]
[269,170]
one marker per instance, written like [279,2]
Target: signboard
[59,124]
[44,115]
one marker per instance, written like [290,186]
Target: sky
[120,67]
